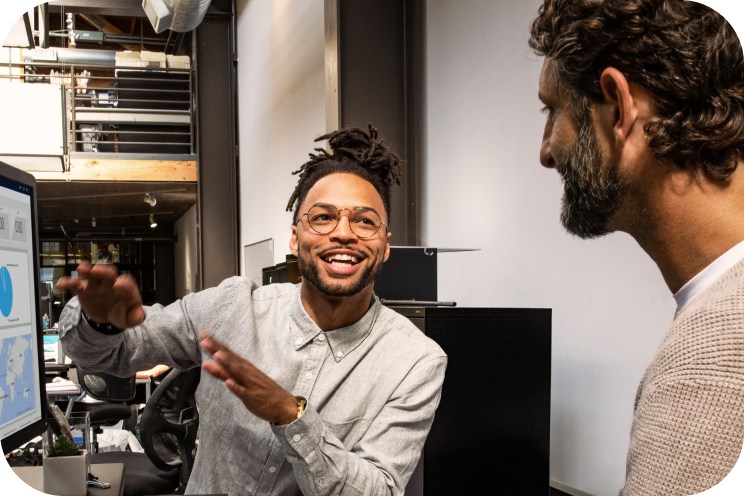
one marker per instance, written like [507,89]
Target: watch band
[107,329]
[301,404]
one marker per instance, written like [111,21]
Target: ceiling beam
[105,26]
[83,169]
[121,8]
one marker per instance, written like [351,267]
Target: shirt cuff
[72,317]
[301,437]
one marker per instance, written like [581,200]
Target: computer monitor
[23,404]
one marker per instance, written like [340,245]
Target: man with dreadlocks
[322,390]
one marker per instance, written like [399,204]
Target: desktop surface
[113,473]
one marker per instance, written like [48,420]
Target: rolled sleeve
[382,461]
[301,437]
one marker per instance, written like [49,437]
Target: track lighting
[93,222]
[150,200]
[153,224]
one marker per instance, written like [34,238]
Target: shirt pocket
[349,432]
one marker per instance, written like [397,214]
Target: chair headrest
[106,387]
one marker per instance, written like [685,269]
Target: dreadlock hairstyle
[352,151]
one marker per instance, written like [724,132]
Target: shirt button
[321,338]
[296,437]
[309,375]
[339,354]
[298,341]
[272,470]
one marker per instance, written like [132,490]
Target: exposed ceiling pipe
[180,16]
[44,25]
[71,56]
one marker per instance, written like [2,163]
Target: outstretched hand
[105,296]
[259,393]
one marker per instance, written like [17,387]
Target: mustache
[361,253]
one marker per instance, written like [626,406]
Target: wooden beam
[83,169]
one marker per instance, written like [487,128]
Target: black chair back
[170,421]
[106,387]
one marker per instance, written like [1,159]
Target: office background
[483,188]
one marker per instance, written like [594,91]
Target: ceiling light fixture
[93,222]
[150,200]
[153,224]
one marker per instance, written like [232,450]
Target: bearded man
[645,124]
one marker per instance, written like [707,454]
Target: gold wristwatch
[301,404]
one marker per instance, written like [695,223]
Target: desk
[113,473]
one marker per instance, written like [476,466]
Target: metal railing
[116,111]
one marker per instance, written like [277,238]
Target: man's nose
[343,228]
[546,157]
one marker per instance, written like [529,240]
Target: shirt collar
[341,341]
[706,277]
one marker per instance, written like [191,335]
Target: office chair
[170,422]
[168,428]
[117,394]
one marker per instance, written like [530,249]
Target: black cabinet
[491,433]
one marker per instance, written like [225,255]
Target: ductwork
[81,56]
[177,15]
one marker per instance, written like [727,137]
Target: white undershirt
[706,277]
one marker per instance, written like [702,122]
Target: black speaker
[410,273]
[491,432]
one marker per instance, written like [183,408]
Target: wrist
[294,412]
[103,328]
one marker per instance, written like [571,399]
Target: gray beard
[591,192]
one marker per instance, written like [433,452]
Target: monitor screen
[22,392]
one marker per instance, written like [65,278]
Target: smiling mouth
[341,260]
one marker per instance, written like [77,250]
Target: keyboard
[63,387]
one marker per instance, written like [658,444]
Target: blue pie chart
[6,292]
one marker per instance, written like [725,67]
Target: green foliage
[63,446]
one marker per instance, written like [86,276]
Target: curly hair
[353,151]
[684,53]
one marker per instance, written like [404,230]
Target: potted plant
[63,446]
[66,464]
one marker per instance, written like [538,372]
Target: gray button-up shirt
[372,389]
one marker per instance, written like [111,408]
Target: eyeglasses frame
[339,210]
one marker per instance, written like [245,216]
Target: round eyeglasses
[323,219]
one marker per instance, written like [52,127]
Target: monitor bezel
[24,435]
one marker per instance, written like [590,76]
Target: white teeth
[341,258]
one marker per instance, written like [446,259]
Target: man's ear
[387,246]
[293,241]
[619,112]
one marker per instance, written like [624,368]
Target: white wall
[281,109]
[610,305]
